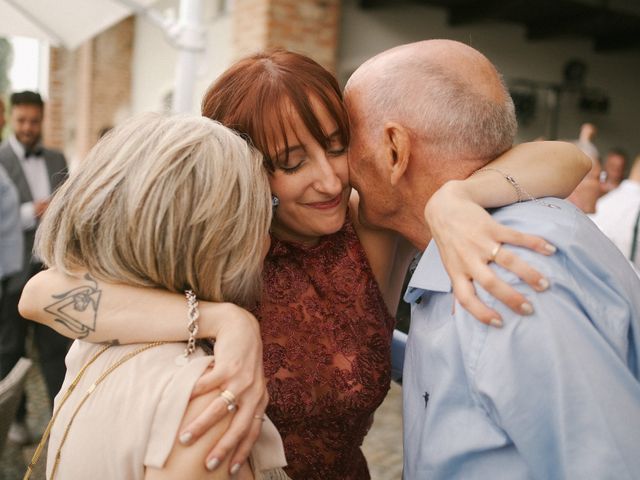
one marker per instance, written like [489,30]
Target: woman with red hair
[330,283]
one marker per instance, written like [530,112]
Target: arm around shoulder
[81,306]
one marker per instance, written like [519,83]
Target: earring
[275,201]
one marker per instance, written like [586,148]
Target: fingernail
[235,469]
[550,248]
[213,464]
[495,322]
[543,284]
[186,437]
[526,308]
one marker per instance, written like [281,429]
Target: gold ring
[260,417]
[230,400]
[494,252]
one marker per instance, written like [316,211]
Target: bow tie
[34,152]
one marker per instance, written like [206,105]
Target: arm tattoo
[77,309]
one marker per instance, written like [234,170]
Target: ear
[397,143]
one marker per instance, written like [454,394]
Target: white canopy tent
[69,23]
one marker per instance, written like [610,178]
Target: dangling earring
[275,201]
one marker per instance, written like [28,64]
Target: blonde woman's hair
[173,202]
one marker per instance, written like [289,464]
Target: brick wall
[111,78]
[306,26]
[89,89]
[54,114]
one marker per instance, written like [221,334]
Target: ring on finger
[494,252]
[262,418]
[230,400]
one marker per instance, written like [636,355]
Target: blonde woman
[176,203]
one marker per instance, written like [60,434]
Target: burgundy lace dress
[327,337]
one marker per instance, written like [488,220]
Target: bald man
[554,395]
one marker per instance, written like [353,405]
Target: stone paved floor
[382,447]
[383,444]
[15,459]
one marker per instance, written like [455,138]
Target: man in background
[614,167]
[618,215]
[588,191]
[36,172]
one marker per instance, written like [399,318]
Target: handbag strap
[67,394]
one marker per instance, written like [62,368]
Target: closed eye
[335,146]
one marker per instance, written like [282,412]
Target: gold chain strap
[47,432]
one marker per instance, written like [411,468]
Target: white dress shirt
[35,171]
[616,215]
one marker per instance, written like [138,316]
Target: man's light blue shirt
[553,395]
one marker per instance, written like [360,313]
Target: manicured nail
[543,284]
[495,322]
[550,248]
[213,464]
[186,437]
[235,469]
[526,308]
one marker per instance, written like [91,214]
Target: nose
[327,180]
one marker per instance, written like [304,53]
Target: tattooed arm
[75,307]
[97,311]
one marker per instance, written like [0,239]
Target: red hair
[262,88]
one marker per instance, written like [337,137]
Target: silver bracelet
[521,193]
[192,326]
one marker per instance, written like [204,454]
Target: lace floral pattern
[327,336]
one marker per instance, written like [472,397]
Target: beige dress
[132,418]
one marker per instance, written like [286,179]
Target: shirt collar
[20,151]
[629,185]
[429,275]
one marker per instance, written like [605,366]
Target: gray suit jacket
[57,169]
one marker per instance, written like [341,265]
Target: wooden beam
[617,42]
[477,10]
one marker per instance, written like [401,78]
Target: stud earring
[275,201]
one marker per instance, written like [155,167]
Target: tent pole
[188,37]
[190,43]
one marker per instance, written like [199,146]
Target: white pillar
[190,41]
